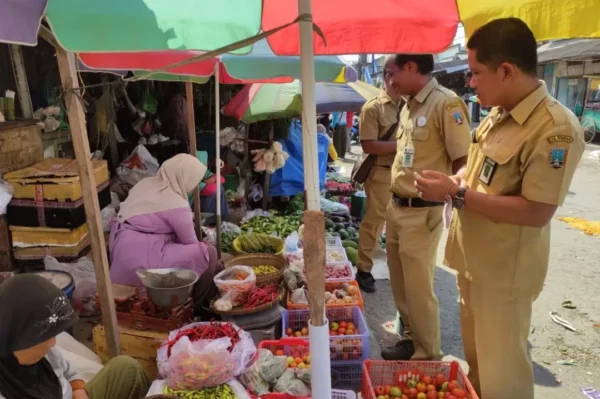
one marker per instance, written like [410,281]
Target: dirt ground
[574,271]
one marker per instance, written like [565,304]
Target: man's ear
[507,71]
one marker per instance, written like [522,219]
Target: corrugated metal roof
[569,50]
[450,66]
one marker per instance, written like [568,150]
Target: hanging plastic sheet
[289,180]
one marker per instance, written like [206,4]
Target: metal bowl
[168,287]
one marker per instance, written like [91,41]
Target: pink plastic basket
[380,372]
[335,394]
[343,348]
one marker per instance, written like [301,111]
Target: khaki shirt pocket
[496,170]
[420,134]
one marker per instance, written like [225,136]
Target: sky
[459,38]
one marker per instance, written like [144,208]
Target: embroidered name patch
[557,157]
[560,139]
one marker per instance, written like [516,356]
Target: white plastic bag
[204,363]
[139,164]
[330,206]
[84,298]
[6,192]
[235,283]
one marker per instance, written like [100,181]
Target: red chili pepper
[261,295]
[211,331]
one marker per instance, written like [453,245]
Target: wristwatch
[458,201]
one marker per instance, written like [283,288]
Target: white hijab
[167,190]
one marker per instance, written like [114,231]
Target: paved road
[574,274]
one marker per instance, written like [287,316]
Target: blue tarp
[289,180]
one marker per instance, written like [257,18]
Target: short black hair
[505,40]
[424,61]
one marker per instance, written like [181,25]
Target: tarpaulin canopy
[20,20]
[259,65]
[258,101]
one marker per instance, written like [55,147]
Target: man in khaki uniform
[521,163]
[433,134]
[377,117]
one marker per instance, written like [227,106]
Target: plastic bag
[84,297]
[235,282]
[299,296]
[330,206]
[294,278]
[272,368]
[6,193]
[139,164]
[204,363]
[227,227]
[304,375]
[251,214]
[288,383]
[252,379]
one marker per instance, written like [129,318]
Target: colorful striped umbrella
[260,65]
[259,102]
[386,26]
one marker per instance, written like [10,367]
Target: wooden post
[81,145]
[191,122]
[21,80]
[314,261]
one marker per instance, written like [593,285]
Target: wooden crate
[20,145]
[140,345]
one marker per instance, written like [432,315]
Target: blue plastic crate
[343,348]
[347,375]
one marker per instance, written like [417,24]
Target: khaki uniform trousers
[413,235]
[495,328]
[377,188]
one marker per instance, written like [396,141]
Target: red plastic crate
[381,372]
[335,394]
[343,347]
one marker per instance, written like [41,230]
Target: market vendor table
[140,345]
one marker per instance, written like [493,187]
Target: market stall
[185,371]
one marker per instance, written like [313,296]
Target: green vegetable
[349,244]
[352,254]
[223,391]
[329,224]
[344,234]
[339,226]
[351,230]
[336,234]
[227,242]
[283,226]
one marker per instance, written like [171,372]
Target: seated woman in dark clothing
[33,312]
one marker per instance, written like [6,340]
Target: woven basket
[261,259]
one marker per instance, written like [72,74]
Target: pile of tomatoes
[415,385]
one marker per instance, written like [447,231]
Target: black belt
[414,202]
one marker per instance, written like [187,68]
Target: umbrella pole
[218,155]
[191,122]
[314,219]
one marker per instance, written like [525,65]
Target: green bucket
[358,206]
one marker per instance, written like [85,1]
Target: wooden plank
[314,260]
[189,96]
[81,146]
[140,345]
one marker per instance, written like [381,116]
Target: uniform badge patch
[458,117]
[557,157]
[487,170]
[560,139]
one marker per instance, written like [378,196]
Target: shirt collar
[385,98]
[525,108]
[425,91]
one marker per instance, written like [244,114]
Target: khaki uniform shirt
[376,117]
[532,152]
[435,125]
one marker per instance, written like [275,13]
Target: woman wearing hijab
[33,312]
[155,229]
